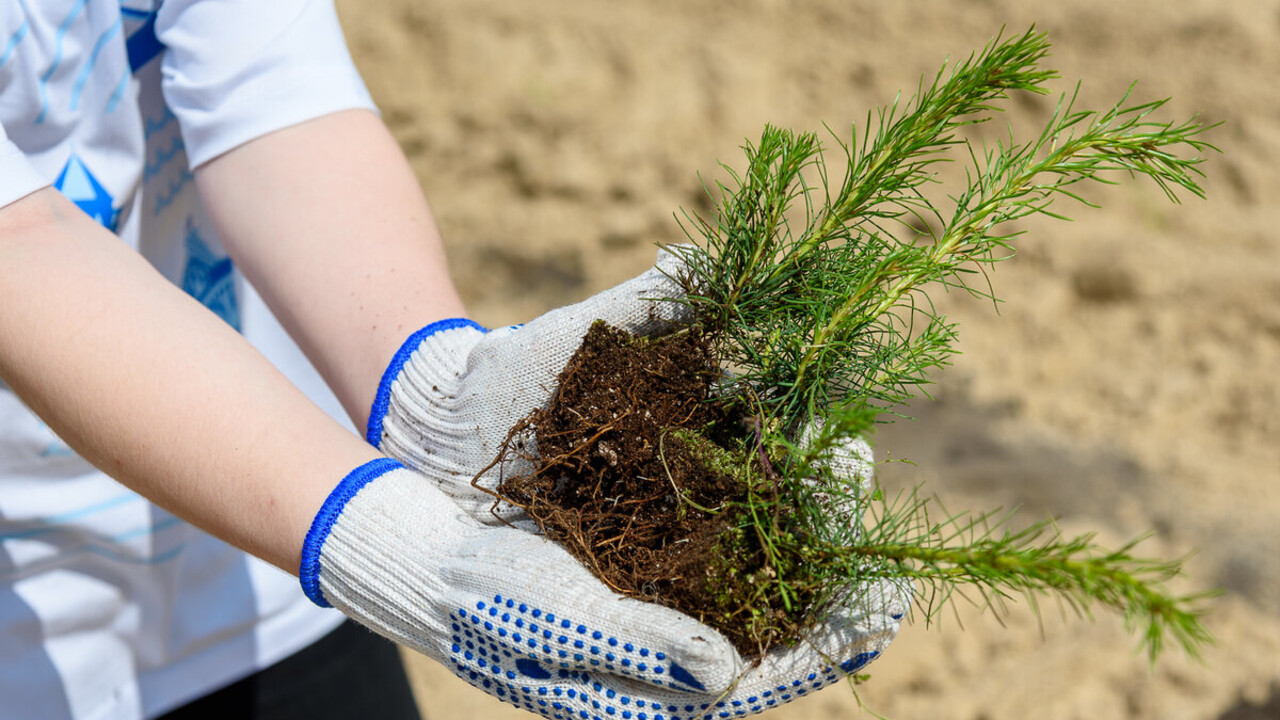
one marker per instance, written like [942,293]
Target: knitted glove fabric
[453,391]
[518,617]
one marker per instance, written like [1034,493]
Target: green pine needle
[813,289]
[984,553]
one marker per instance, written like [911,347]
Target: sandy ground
[1127,385]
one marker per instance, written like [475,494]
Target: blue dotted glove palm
[517,616]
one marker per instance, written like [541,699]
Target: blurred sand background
[1127,385]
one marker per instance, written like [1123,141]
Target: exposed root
[618,483]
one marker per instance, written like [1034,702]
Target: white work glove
[444,408]
[515,615]
[455,389]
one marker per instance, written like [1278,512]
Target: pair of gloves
[406,546]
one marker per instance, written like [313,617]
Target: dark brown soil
[625,482]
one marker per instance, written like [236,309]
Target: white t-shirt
[109,606]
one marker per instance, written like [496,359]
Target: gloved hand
[452,392]
[444,408]
[517,616]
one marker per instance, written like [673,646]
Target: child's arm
[327,220]
[155,390]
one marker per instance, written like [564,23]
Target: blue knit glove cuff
[382,401]
[313,545]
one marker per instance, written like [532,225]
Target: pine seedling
[813,291]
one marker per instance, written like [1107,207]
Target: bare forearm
[328,222]
[155,390]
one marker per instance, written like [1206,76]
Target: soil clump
[629,477]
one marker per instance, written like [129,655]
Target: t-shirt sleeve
[234,70]
[17,176]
